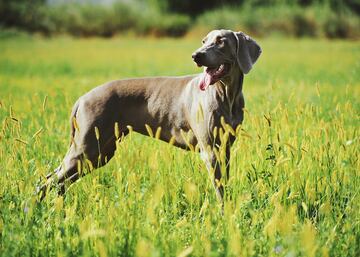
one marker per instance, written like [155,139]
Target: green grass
[294,187]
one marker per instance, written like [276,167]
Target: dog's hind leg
[77,164]
[85,154]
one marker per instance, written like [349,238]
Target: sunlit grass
[294,186]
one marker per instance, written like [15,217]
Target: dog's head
[223,51]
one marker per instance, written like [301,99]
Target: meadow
[294,185]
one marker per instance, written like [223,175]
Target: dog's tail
[73,123]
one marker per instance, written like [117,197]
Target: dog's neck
[230,88]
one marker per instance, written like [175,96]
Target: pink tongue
[207,79]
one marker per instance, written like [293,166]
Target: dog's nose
[196,56]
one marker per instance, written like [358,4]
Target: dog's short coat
[187,109]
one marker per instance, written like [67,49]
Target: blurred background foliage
[83,18]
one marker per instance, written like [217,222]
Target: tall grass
[294,186]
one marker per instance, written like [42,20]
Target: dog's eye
[219,40]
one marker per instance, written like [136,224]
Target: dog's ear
[247,51]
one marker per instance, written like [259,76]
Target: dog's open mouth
[213,74]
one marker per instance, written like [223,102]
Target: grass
[294,187]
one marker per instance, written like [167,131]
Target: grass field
[294,187]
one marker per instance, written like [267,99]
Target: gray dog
[189,110]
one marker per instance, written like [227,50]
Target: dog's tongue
[207,78]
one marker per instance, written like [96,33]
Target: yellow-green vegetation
[294,187]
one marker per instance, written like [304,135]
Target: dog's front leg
[214,170]
[214,167]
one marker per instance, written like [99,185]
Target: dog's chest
[229,113]
[234,119]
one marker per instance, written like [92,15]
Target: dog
[189,111]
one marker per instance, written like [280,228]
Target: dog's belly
[134,114]
[179,134]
